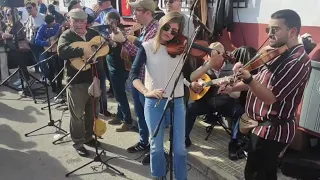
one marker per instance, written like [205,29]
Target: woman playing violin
[273,96]
[159,67]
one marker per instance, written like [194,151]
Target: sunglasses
[272,30]
[167,27]
[28,7]
[8,14]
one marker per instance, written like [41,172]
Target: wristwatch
[248,81]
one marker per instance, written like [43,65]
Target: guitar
[206,82]
[54,39]
[93,45]
[131,38]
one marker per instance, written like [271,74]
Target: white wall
[259,11]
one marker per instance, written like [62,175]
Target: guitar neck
[216,81]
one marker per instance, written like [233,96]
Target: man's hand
[244,74]
[236,67]
[216,60]
[196,87]
[6,36]
[117,37]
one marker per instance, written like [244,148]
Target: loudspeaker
[12,3]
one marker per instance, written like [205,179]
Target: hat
[78,14]
[145,4]
[72,3]
[216,46]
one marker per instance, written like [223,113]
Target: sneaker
[146,159]
[124,127]
[114,121]
[138,147]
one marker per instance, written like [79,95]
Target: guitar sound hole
[94,47]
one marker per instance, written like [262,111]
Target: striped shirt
[286,76]
[147,33]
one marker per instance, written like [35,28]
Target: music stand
[170,103]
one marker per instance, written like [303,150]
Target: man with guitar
[211,102]
[81,105]
[274,94]
[143,12]
[47,37]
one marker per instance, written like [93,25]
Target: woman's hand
[157,93]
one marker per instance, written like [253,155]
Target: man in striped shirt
[273,96]
[143,12]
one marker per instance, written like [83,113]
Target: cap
[217,46]
[78,14]
[145,4]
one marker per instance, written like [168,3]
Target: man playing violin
[211,102]
[274,94]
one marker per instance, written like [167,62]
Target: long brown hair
[171,17]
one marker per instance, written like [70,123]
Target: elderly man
[80,102]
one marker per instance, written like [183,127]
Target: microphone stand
[170,103]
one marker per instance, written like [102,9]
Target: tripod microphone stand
[97,158]
[170,102]
[51,121]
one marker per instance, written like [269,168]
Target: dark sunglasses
[167,27]
[8,14]
[272,30]
[28,7]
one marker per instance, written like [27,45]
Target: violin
[263,57]
[256,62]
[199,48]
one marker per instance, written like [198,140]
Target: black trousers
[55,65]
[262,158]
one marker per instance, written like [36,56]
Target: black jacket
[224,16]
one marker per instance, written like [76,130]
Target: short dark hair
[113,15]
[32,4]
[48,19]
[291,18]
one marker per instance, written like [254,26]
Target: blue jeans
[138,101]
[36,51]
[118,76]
[157,158]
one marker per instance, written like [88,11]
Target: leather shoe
[82,151]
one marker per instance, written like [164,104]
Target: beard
[276,42]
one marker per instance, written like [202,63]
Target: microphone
[196,18]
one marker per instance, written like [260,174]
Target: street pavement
[36,158]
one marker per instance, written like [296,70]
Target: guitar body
[196,96]
[93,44]
[125,55]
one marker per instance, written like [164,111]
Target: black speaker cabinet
[12,3]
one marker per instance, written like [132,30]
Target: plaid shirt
[147,33]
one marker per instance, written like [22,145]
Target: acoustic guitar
[127,58]
[54,39]
[92,45]
[206,82]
